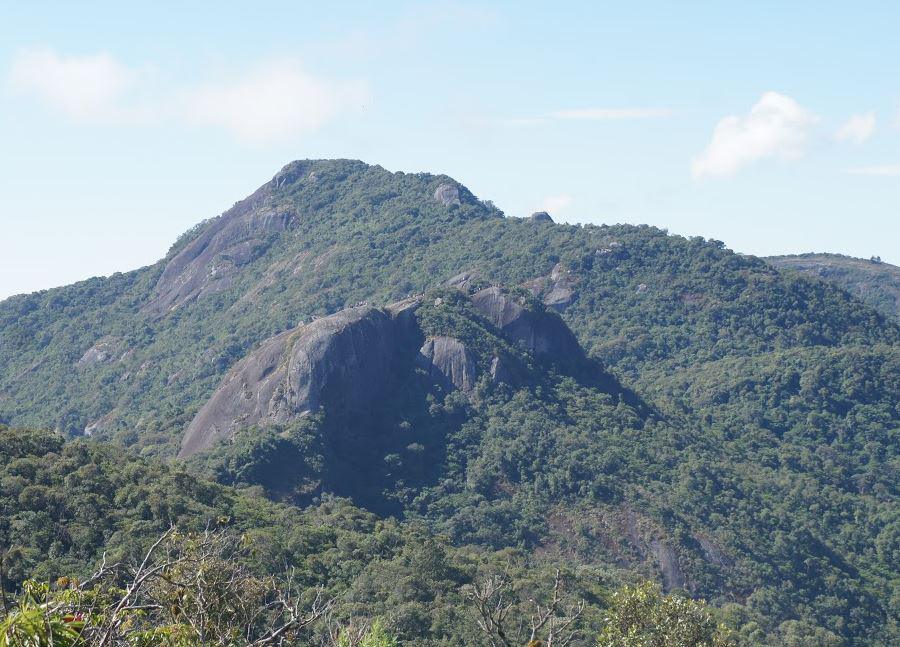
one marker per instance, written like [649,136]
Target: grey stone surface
[227,243]
[344,360]
[463,280]
[446,360]
[447,194]
[350,361]
[542,333]
[557,290]
[104,351]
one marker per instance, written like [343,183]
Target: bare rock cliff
[446,361]
[210,261]
[541,333]
[343,361]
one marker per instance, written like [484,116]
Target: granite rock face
[234,239]
[446,361]
[447,194]
[343,361]
[540,216]
[462,281]
[557,290]
[104,351]
[541,333]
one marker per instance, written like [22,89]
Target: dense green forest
[725,428]
[67,505]
[875,282]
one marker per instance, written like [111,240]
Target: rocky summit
[349,361]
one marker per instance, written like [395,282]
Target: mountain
[875,282]
[613,397]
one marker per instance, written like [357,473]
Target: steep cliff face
[536,331]
[343,361]
[447,361]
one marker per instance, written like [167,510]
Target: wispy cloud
[890,170]
[556,203]
[275,99]
[93,88]
[612,114]
[776,127]
[857,129]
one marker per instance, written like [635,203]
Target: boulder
[447,194]
[540,216]
[462,281]
[103,352]
[557,290]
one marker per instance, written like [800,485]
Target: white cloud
[275,99]
[556,203]
[777,126]
[89,88]
[891,170]
[857,129]
[609,114]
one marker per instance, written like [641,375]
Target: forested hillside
[619,399]
[875,282]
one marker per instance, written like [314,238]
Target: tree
[641,616]
[553,624]
[188,590]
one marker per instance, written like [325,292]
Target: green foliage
[32,624]
[366,234]
[375,636]
[874,282]
[641,616]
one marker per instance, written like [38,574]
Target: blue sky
[774,128]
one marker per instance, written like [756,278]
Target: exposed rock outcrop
[669,566]
[647,539]
[538,332]
[500,371]
[234,239]
[343,361]
[446,361]
[447,194]
[462,281]
[104,351]
[540,216]
[556,290]
[351,361]
[100,424]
